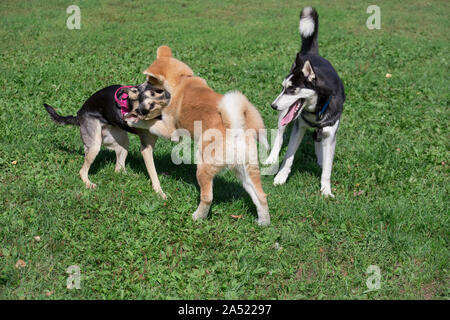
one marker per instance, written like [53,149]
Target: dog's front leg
[162,129]
[273,157]
[298,131]
[147,145]
[156,127]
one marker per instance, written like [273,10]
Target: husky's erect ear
[308,71]
[298,62]
[164,51]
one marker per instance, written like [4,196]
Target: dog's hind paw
[161,194]
[263,222]
[199,215]
[326,192]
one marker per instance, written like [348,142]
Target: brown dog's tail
[253,120]
[61,120]
[238,113]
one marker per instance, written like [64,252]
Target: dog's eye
[290,89]
[159,91]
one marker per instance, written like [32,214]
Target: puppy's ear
[152,79]
[164,51]
[308,71]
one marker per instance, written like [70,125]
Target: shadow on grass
[224,191]
[305,159]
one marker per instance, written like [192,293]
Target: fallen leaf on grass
[235,216]
[37,238]
[14,162]
[298,274]
[388,75]
[20,264]
[49,293]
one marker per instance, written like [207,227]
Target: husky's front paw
[271,159]
[280,178]
[326,192]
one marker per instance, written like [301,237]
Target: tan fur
[193,100]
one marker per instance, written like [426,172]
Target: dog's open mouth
[131,117]
[294,111]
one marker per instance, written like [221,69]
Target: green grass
[390,172]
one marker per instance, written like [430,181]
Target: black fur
[310,44]
[100,105]
[327,83]
[60,119]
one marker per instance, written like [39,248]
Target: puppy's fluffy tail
[61,120]
[309,30]
[238,113]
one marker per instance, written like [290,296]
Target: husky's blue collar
[320,113]
[324,108]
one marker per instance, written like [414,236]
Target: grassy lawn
[390,174]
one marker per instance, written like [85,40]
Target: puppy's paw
[280,178]
[90,185]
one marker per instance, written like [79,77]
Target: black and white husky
[312,97]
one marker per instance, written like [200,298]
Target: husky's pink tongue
[290,115]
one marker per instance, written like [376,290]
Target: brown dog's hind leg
[91,134]
[205,176]
[250,176]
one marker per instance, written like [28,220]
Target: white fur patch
[306,26]
[284,101]
[232,104]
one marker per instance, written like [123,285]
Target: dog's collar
[122,102]
[322,111]
[324,108]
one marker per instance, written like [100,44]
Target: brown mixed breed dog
[193,100]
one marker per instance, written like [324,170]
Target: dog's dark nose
[142,111]
[274,107]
